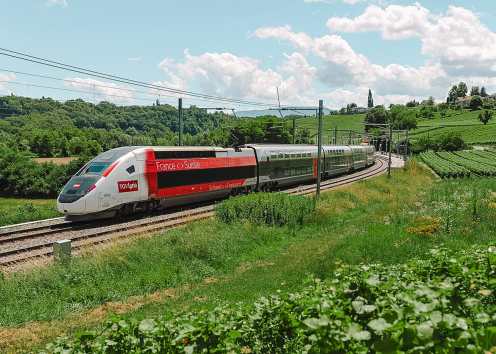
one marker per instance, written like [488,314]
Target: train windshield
[94,168]
[100,163]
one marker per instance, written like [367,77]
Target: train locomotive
[134,178]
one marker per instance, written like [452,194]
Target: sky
[335,50]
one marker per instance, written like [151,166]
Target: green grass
[208,263]
[14,210]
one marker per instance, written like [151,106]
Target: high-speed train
[134,178]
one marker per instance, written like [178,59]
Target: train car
[127,179]
[138,178]
[337,160]
[284,165]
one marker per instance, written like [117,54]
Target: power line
[159,95]
[71,90]
[80,70]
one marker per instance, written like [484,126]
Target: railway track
[34,240]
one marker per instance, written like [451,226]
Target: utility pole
[319,153]
[180,112]
[407,146]
[294,131]
[390,148]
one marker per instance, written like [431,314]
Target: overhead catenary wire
[80,70]
[101,86]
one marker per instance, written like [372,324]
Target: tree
[452,95]
[443,109]
[462,89]
[475,103]
[430,101]
[427,112]
[370,103]
[412,103]
[350,107]
[474,91]
[483,92]
[376,115]
[402,118]
[485,116]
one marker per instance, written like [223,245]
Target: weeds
[14,211]
[273,209]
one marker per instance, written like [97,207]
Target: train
[131,179]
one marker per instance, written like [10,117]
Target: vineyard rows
[461,163]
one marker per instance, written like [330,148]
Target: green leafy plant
[275,209]
[446,304]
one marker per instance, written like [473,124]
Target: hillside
[466,123]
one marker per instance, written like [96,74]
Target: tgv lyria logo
[127,186]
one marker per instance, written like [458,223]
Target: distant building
[464,101]
[357,110]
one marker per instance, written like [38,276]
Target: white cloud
[457,47]
[104,91]
[457,39]
[394,21]
[4,80]
[299,39]
[343,67]
[225,74]
[62,3]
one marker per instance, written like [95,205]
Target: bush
[274,209]
[22,177]
[451,142]
[443,304]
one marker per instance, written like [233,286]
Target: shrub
[274,209]
[451,142]
[22,177]
[443,304]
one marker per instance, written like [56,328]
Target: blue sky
[310,49]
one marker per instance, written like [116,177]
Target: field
[55,160]
[210,263]
[466,123]
[461,163]
[13,210]
[342,122]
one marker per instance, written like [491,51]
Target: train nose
[74,190]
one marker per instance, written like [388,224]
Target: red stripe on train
[199,188]
[203,163]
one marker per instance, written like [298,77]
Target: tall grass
[273,209]
[14,211]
